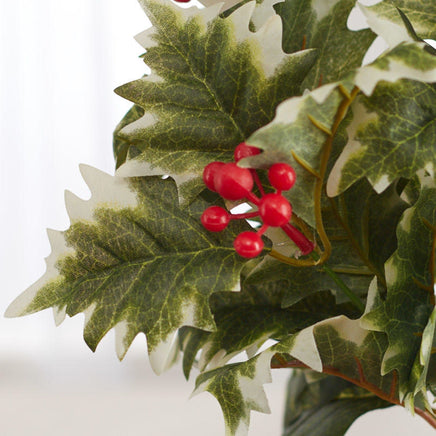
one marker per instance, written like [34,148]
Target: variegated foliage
[286,77]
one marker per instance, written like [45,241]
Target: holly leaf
[297,136]
[392,135]
[245,320]
[213,83]
[338,344]
[323,26]
[239,389]
[134,260]
[298,283]
[385,19]
[336,403]
[410,276]
[370,221]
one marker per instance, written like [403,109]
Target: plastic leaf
[385,19]
[313,399]
[239,389]
[410,276]
[392,135]
[323,25]
[213,83]
[133,260]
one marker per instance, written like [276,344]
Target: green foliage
[136,266]
[213,83]
[323,26]
[410,274]
[313,399]
[287,78]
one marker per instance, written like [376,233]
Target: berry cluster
[235,183]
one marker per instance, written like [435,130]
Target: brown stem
[361,382]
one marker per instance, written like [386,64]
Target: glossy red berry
[244,150]
[215,219]
[282,176]
[182,1]
[275,210]
[248,244]
[233,182]
[209,174]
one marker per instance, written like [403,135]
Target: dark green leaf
[323,26]
[324,405]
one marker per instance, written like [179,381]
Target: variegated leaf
[213,83]
[134,260]
[410,276]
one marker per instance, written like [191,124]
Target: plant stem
[299,239]
[342,286]
[362,382]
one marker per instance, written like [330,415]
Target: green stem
[343,287]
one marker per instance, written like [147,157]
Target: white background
[59,62]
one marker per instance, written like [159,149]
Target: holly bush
[354,314]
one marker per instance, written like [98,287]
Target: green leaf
[324,405]
[213,83]
[385,19]
[191,341]
[421,366]
[122,147]
[338,343]
[245,320]
[297,283]
[392,135]
[132,259]
[323,25]
[298,135]
[410,276]
[238,389]
[370,222]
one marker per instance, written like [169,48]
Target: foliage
[286,77]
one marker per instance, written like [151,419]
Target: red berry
[209,174]
[215,219]
[275,210]
[233,182]
[244,150]
[182,1]
[248,244]
[282,176]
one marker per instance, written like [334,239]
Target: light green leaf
[410,276]
[213,83]
[323,25]
[238,389]
[385,20]
[133,260]
[324,405]
[392,135]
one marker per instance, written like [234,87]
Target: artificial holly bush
[329,269]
